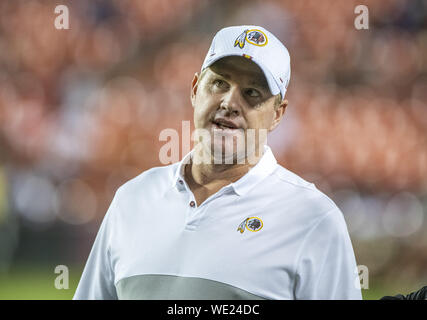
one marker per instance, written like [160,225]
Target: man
[420,294]
[225,224]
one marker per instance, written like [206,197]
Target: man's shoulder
[291,178]
[308,203]
[304,192]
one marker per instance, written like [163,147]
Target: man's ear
[194,85]
[279,112]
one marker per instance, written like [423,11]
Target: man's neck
[205,179]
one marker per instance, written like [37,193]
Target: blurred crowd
[81,110]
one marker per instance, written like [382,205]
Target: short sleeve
[326,267]
[97,281]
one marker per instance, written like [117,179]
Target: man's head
[237,97]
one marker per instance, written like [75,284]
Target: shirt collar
[179,174]
[262,169]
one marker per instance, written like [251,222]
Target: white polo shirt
[269,235]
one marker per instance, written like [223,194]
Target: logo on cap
[253,36]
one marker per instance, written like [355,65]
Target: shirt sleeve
[327,267]
[97,281]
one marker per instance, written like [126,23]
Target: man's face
[233,103]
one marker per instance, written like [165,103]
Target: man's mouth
[224,124]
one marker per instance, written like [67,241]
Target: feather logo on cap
[254,36]
[240,41]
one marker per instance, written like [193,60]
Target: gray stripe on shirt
[168,287]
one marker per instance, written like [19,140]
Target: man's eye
[253,93]
[219,83]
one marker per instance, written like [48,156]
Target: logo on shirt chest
[253,224]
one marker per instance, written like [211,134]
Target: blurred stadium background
[81,111]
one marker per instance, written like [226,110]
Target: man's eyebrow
[224,75]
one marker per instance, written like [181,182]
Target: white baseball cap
[259,45]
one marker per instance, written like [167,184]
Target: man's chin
[228,154]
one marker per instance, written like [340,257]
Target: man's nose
[231,102]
